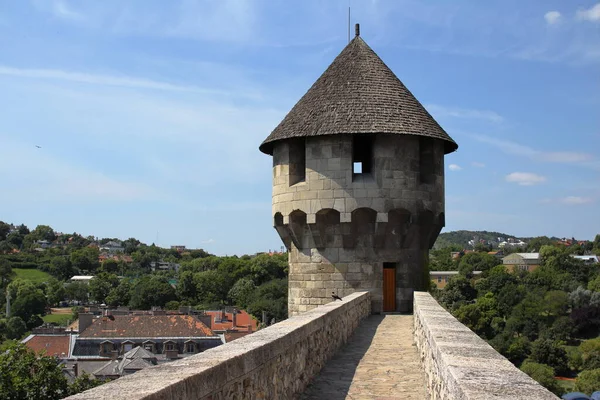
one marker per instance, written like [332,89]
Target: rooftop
[146,326]
[357,94]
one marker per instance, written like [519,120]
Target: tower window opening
[362,154]
[297,166]
[426,160]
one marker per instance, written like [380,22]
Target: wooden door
[389,289]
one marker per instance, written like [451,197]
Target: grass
[34,275]
[568,386]
[58,319]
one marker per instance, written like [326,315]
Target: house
[164,266]
[110,337]
[522,261]
[441,278]
[590,259]
[56,345]
[134,360]
[179,249]
[112,247]
[233,323]
[82,278]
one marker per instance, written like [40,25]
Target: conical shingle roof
[357,94]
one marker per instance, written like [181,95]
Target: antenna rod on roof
[348,24]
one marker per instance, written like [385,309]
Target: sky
[148,114]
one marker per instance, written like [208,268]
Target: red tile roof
[243,319]
[143,326]
[53,345]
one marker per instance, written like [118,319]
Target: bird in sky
[335,297]
[39,147]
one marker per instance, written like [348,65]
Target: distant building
[134,360]
[232,324]
[82,278]
[522,261]
[441,278]
[112,247]
[178,248]
[591,259]
[167,336]
[164,266]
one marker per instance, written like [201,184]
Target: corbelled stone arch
[282,230]
[426,222]
[298,227]
[362,232]
[278,219]
[327,232]
[399,221]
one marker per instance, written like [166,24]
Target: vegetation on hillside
[547,322]
[35,279]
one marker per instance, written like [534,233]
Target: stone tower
[358,185]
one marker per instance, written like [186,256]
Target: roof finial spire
[357,30]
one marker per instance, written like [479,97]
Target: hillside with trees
[547,322]
[36,266]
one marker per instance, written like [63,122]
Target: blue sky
[149,113]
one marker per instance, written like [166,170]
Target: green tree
[84,382]
[4,230]
[6,273]
[543,374]
[151,291]
[590,354]
[186,287]
[101,285]
[120,295]
[25,375]
[29,303]
[270,297]
[476,262]
[77,291]
[55,291]
[15,328]
[457,292]
[110,266]
[535,244]
[43,232]
[546,351]
[242,292]
[85,259]
[61,268]
[588,381]
[211,287]
[594,284]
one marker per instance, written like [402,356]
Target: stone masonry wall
[341,227]
[277,362]
[460,365]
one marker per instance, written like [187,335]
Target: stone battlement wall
[274,363]
[461,365]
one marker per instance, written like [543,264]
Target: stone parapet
[460,365]
[277,362]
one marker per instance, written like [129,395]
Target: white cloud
[592,14]
[525,178]
[561,157]
[107,80]
[478,164]
[576,200]
[439,111]
[209,241]
[454,167]
[62,10]
[552,17]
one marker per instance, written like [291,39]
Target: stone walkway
[379,362]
